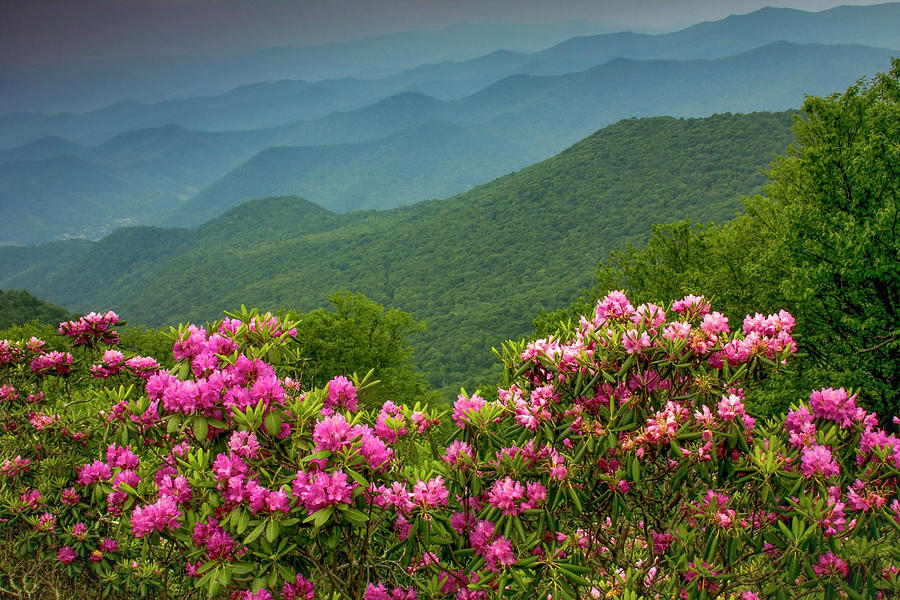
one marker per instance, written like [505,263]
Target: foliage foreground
[615,461]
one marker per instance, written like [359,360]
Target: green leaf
[273,422]
[257,531]
[354,516]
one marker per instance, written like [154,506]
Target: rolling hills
[475,267]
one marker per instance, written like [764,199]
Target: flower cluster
[92,329]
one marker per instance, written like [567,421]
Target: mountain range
[427,132]
[475,267]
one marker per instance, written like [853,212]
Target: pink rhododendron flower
[299,589]
[66,555]
[505,494]
[463,407]
[53,363]
[318,490]
[831,565]
[341,394]
[817,460]
[161,515]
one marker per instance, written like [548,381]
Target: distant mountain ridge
[272,103]
[475,267]
[393,145]
[91,84]
[373,157]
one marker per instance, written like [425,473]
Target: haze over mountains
[428,132]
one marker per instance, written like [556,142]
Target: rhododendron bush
[615,460]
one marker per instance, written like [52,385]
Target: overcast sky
[57,31]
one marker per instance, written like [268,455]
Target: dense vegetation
[822,242]
[18,306]
[474,268]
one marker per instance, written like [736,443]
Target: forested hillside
[475,267]
[18,306]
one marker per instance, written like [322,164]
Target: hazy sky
[58,31]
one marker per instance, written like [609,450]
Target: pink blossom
[464,407]
[341,394]
[831,565]
[634,341]
[161,515]
[505,494]
[66,555]
[817,460]
[299,589]
[459,454]
[53,363]
[833,405]
[430,494]
[500,550]
[94,472]
[244,443]
[318,490]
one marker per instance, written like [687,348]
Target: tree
[832,210]
[358,335]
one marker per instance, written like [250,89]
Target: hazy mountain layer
[402,149]
[277,101]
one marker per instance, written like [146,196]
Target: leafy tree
[356,336]
[18,307]
[832,210]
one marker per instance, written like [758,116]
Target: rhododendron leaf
[320,517]
[273,422]
[257,531]
[354,516]
[200,428]
[127,488]
[569,574]
[182,370]
[518,577]
[272,530]
[316,456]
[243,521]
[635,470]
[573,494]
[173,423]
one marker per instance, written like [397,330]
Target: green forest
[475,268]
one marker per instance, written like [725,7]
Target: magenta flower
[66,555]
[817,460]
[459,454]
[504,495]
[53,363]
[831,565]
[94,472]
[430,494]
[464,407]
[318,490]
[833,405]
[300,589]
[162,515]
[499,551]
[341,394]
